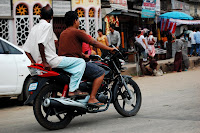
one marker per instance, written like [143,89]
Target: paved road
[171,104]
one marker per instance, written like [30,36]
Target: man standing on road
[114,37]
[197,39]
[40,48]
[192,41]
[70,45]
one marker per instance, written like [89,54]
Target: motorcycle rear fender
[41,83]
[118,84]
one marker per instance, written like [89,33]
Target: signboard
[85,3]
[61,7]
[158,7]
[119,5]
[148,9]
[5,8]
[181,5]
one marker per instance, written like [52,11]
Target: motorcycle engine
[102,98]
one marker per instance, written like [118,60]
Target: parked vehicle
[14,74]
[54,109]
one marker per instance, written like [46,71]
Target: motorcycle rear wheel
[128,107]
[46,116]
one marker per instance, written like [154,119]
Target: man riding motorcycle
[70,45]
[40,48]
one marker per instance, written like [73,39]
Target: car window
[9,48]
[1,49]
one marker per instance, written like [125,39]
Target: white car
[14,74]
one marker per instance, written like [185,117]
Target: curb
[166,65]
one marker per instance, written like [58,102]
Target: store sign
[61,7]
[181,5]
[158,7]
[5,8]
[85,3]
[148,9]
[119,4]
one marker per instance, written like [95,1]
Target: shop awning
[131,14]
[187,22]
[105,11]
[119,12]
[116,12]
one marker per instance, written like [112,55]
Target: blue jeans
[193,48]
[75,66]
[198,49]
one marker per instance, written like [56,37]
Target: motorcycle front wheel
[128,106]
[48,117]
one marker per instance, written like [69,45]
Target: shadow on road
[7,103]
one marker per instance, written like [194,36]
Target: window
[8,48]
[1,49]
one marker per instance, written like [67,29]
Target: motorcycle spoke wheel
[128,106]
[49,117]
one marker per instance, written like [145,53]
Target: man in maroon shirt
[70,45]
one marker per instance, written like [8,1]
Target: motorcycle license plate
[32,86]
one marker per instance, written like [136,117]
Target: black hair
[70,17]
[46,12]
[178,37]
[100,30]
[193,29]
[197,28]
[138,32]
[145,34]
[112,26]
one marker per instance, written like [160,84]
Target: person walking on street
[86,48]
[151,42]
[179,42]
[114,37]
[192,41]
[197,39]
[143,55]
[102,39]
[70,45]
[40,48]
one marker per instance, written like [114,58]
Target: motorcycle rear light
[31,93]
[35,71]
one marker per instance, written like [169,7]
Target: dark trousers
[178,62]
[169,50]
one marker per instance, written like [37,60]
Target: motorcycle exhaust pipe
[62,103]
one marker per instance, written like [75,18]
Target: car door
[8,69]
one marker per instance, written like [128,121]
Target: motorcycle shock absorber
[66,87]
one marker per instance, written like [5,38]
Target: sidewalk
[167,65]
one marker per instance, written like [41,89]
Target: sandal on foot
[77,93]
[96,104]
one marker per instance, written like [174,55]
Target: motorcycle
[54,109]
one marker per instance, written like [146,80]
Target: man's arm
[108,37]
[30,58]
[119,40]
[44,62]
[145,43]
[99,45]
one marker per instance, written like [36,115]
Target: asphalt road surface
[171,104]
